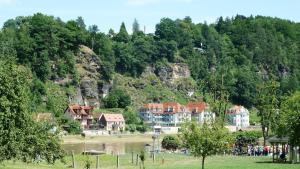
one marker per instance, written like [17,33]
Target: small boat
[93,152]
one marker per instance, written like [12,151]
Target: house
[164,114]
[200,112]
[112,122]
[82,114]
[238,116]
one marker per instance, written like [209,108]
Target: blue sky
[110,13]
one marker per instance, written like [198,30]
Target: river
[108,148]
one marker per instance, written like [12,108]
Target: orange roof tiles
[81,110]
[198,107]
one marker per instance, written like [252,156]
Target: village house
[111,122]
[164,114]
[201,112]
[238,116]
[82,114]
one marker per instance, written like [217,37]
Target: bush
[74,127]
[170,143]
[117,99]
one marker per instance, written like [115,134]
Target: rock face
[169,74]
[90,91]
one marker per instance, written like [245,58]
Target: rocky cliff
[174,71]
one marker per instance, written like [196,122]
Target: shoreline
[130,138]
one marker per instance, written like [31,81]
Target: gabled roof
[197,107]
[237,109]
[113,117]
[175,106]
[80,110]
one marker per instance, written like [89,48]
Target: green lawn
[172,161]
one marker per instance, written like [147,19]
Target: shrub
[170,143]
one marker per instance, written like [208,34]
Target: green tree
[204,140]
[24,139]
[267,106]
[170,143]
[122,36]
[289,119]
[135,26]
[117,98]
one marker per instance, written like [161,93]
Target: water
[108,148]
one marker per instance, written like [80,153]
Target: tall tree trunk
[203,158]
[264,134]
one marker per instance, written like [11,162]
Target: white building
[201,112]
[238,116]
[165,114]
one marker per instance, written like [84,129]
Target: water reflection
[108,148]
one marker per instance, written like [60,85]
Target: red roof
[113,117]
[81,110]
[197,107]
[173,105]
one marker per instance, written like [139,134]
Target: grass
[171,161]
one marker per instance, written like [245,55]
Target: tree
[289,119]
[243,138]
[135,26]
[267,106]
[122,36]
[204,140]
[24,138]
[117,98]
[80,23]
[170,143]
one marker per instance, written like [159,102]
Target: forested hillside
[226,62]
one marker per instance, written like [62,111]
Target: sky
[108,14]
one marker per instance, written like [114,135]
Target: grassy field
[171,161]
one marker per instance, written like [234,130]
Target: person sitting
[282,157]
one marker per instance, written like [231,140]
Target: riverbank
[132,138]
[171,161]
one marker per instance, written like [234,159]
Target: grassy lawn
[171,161]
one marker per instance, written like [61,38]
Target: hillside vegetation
[222,63]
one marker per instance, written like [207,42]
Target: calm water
[108,148]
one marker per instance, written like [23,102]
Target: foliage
[73,127]
[170,143]
[267,105]
[24,139]
[117,98]
[133,121]
[289,118]
[88,163]
[204,140]
[143,158]
[57,101]
[244,138]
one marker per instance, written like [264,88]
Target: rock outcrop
[169,74]
[90,91]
